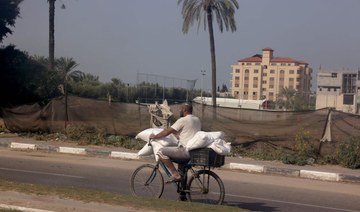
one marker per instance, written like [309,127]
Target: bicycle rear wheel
[147,181]
[206,187]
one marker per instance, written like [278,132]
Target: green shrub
[125,141]
[303,152]
[349,153]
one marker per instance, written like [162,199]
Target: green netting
[239,125]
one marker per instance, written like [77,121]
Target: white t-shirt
[187,127]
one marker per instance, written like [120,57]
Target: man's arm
[163,133]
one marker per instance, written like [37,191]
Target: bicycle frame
[182,185]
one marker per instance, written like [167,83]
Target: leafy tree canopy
[9,11]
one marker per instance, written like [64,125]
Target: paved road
[251,191]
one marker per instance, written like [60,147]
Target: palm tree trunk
[51,33]
[213,58]
[66,105]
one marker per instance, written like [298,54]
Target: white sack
[220,146]
[146,150]
[203,139]
[199,140]
[154,148]
[168,140]
[215,135]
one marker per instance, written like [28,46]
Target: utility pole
[202,79]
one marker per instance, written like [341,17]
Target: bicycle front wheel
[206,187]
[147,181]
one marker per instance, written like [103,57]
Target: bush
[303,152]
[124,141]
[349,153]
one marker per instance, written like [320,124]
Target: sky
[120,38]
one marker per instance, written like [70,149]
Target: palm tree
[206,10]
[286,98]
[66,68]
[52,33]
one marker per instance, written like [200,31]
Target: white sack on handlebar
[144,135]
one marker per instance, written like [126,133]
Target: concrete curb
[315,175]
[18,208]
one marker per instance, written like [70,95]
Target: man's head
[185,109]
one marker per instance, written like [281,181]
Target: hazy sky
[118,38]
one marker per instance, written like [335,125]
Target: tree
[9,11]
[66,68]
[206,10]
[24,79]
[286,98]
[52,33]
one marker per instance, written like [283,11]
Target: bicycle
[203,186]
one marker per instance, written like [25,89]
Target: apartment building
[262,76]
[339,89]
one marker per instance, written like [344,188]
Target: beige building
[262,76]
[339,89]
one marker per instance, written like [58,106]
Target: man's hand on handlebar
[152,136]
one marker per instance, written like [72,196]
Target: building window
[264,82]
[272,71]
[334,75]
[255,86]
[246,86]
[320,89]
[281,79]
[298,71]
[349,83]
[246,93]
[254,93]
[237,78]
[249,64]
[329,89]
[291,71]
[282,72]
[255,78]
[264,89]
[283,64]
[272,79]
[264,74]
[247,71]
[246,78]
[273,64]
[242,63]
[271,94]
[236,85]
[237,70]
[256,71]
[297,79]
[348,99]
[257,64]
[291,79]
[271,86]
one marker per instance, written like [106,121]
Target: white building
[339,89]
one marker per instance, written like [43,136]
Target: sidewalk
[316,172]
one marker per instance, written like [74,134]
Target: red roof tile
[254,58]
[258,58]
[267,49]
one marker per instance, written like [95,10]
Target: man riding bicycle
[186,127]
